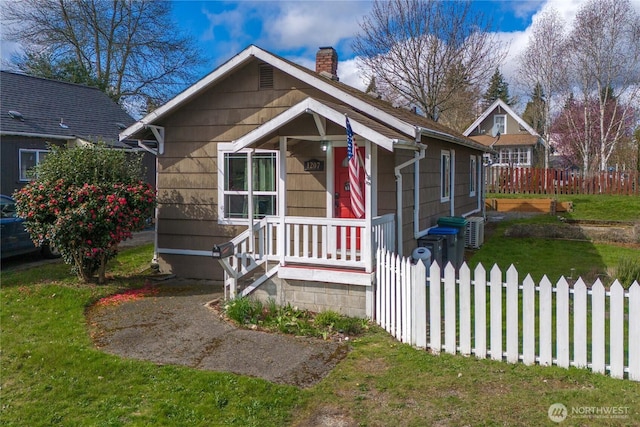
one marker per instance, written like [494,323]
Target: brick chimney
[327,62]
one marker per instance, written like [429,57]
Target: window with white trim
[237,172]
[515,156]
[28,159]
[445,175]
[473,175]
[500,123]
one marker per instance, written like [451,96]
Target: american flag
[355,187]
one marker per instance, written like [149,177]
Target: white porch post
[368,209]
[282,200]
[250,201]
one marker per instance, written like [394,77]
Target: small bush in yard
[628,271]
[243,310]
[84,202]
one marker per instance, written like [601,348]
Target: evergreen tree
[534,112]
[498,89]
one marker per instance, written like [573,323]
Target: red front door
[343,190]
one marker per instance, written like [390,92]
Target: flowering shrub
[85,221]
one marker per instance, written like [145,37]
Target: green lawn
[557,258]
[51,374]
[602,207]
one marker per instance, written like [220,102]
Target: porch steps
[259,281]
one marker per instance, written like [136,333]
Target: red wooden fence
[558,181]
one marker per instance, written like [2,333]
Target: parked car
[15,239]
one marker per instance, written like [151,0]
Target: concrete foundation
[350,300]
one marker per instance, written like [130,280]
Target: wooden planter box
[528,205]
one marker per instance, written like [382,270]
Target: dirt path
[175,327]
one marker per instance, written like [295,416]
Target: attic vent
[16,115]
[266,76]
[121,126]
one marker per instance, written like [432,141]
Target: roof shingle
[59,110]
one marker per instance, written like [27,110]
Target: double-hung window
[473,175]
[500,124]
[240,171]
[28,159]
[445,175]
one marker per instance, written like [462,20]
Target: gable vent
[266,76]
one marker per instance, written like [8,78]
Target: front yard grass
[551,257]
[585,206]
[51,374]
[557,257]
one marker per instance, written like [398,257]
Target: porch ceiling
[362,125]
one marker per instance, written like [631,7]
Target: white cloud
[350,74]
[310,25]
[567,10]
[8,48]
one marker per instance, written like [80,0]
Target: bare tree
[543,65]
[425,54]
[604,51]
[130,48]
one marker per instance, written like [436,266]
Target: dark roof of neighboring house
[523,139]
[58,110]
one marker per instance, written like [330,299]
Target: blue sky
[296,29]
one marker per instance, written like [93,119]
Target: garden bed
[529,205]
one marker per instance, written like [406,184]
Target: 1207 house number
[314,165]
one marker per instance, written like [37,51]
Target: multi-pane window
[473,175]
[242,169]
[515,156]
[28,159]
[445,175]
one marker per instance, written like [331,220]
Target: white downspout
[418,156]
[452,195]
[416,193]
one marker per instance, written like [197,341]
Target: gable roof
[500,103]
[361,125]
[521,139]
[395,119]
[59,110]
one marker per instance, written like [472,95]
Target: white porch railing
[510,321]
[334,242]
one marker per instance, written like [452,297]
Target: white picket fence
[451,314]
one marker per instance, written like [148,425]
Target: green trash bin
[460,224]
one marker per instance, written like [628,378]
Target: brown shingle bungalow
[255,155]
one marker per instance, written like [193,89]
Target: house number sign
[314,165]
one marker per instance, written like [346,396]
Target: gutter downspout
[418,156]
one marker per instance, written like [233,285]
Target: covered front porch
[332,245]
[306,248]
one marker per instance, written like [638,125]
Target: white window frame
[515,156]
[445,175]
[222,192]
[495,123]
[473,175]
[21,151]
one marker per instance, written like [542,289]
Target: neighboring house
[37,112]
[255,154]
[514,142]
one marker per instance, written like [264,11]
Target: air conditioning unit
[475,232]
